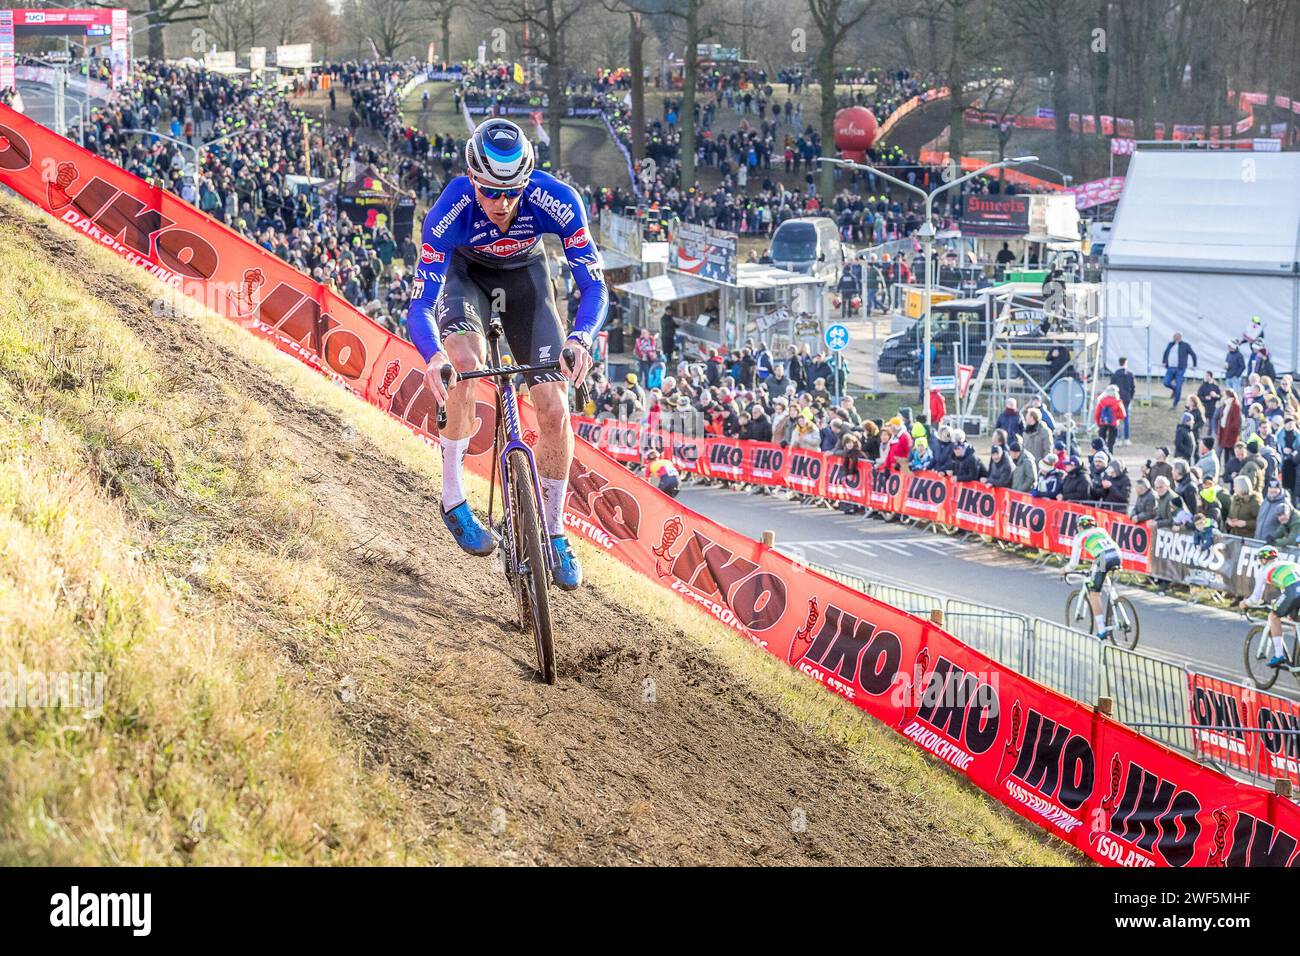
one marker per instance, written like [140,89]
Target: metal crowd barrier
[1146,690]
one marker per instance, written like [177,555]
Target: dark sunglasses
[489,193]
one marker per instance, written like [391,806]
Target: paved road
[1207,639]
[38,102]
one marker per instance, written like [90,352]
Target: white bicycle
[1121,615]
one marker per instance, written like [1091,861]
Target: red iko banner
[1119,797]
[1009,515]
[1252,731]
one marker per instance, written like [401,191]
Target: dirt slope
[589,771]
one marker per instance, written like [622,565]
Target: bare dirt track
[586,772]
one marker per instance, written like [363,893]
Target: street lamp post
[926,234]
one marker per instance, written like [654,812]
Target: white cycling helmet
[499,155]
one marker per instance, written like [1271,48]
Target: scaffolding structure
[1045,344]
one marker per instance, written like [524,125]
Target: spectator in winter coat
[1227,424]
[1009,421]
[1253,465]
[1266,523]
[1143,507]
[1122,380]
[1288,527]
[1234,366]
[1185,486]
[1114,487]
[1209,504]
[1160,466]
[1108,415]
[941,449]
[760,426]
[1208,463]
[1243,509]
[1209,393]
[921,458]
[1168,504]
[806,436]
[999,472]
[900,445]
[966,465]
[1184,443]
[1037,436]
[1024,473]
[1075,486]
[1288,446]
[1049,479]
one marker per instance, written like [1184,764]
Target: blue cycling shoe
[566,572]
[468,531]
[1277,661]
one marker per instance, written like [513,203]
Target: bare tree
[162,14]
[544,23]
[833,19]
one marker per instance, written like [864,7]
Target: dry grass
[118,490]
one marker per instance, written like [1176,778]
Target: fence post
[1282,788]
[936,617]
[1106,705]
[768,539]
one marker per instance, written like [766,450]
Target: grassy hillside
[299,667]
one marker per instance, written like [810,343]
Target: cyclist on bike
[1285,576]
[662,473]
[1096,544]
[482,254]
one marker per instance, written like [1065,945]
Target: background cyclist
[1284,575]
[1098,546]
[482,254]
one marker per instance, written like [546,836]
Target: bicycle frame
[509,437]
[1292,645]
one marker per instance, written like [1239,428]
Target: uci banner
[1119,797]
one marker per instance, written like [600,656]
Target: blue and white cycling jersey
[457,223]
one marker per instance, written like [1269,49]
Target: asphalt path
[1203,638]
[38,102]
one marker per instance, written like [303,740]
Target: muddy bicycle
[525,558]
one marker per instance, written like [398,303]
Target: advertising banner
[704,252]
[1117,796]
[995,216]
[1229,564]
[1245,728]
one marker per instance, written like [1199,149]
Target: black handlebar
[581,392]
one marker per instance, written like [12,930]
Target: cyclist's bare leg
[466,352]
[554,449]
[1094,601]
[1275,632]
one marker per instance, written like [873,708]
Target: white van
[809,245]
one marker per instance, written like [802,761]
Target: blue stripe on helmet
[498,156]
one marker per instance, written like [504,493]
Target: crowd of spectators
[1231,472]
[250,142]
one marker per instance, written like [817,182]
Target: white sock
[1279,647]
[1099,621]
[553,492]
[453,468]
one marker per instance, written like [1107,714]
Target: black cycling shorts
[1288,605]
[1106,562]
[521,297]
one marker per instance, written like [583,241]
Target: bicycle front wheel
[530,561]
[1124,623]
[1078,613]
[1258,650]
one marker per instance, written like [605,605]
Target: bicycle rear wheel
[529,560]
[1078,613]
[1258,650]
[1123,623]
